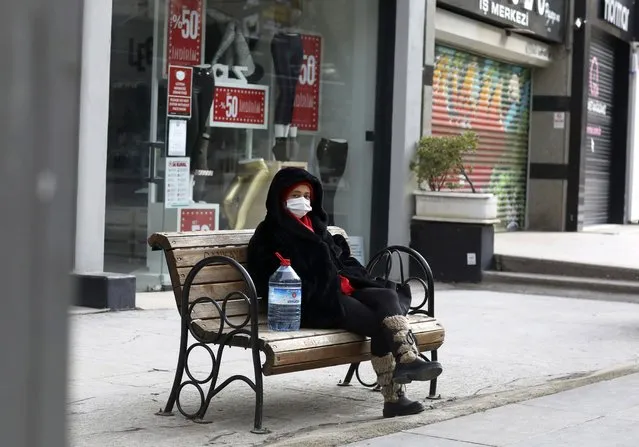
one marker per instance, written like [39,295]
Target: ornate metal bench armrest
[250,297]
[386,257]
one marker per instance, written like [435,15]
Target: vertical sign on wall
[307,92]
[179,91]
[185,27]
[177,184]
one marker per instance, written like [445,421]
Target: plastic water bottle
[284,298]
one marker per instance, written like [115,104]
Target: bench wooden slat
[211,327]
[195,239]
[346,344]
[421,323]
[354,349]
[211,274]
[208,311]
[426,334]
[217,291]
[188,257]
[172,241]
[315,364]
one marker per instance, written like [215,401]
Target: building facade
[633,139]
[191,106]
[601,151]
[493,63]
[546,86]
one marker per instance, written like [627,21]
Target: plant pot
[456,207]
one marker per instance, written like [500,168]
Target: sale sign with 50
[307,92]
[185,26]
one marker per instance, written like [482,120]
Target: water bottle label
[283,295]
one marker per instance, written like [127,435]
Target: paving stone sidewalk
[604,414]
[604,245]
[122,366]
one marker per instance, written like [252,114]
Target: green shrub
[439,161]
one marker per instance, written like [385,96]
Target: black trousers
[364,312]
[288,55]
[196,146]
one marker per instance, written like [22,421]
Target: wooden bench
[218,304]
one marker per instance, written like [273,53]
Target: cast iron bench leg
[179,372]
[259,394]
[432,394]
[349,375]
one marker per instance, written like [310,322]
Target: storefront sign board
[180,88]
[240,106]
[545,19]
[621,15]
[307,92]
[184,31]
[177,182]
[199,218]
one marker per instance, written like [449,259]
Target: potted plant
[441,167]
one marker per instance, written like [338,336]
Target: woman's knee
[382,299]
[357,317]
[377,294]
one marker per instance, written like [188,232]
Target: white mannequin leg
[280,130]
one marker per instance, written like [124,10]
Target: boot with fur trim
[395,401]
[409,364]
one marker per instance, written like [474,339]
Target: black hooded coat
[317,257]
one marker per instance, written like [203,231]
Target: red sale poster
[240,106]
[185,25]
[307,93]
[179,91]
[198,219]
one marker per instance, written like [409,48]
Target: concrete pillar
[95,288]
[407,107]
[549,143]
[429,67]
[40,56]
[550,124]
[94,121]
[632,176]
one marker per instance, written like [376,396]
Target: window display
[331,156]
[275,83]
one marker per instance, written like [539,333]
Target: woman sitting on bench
[337,291]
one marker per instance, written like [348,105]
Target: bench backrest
[183,250]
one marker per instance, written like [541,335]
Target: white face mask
[299,207]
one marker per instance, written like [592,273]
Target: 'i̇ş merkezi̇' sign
[542,18]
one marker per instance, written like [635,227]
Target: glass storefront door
[294,86]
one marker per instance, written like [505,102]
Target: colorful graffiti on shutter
[492,99]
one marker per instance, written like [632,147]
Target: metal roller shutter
[598,141]
[492,99]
